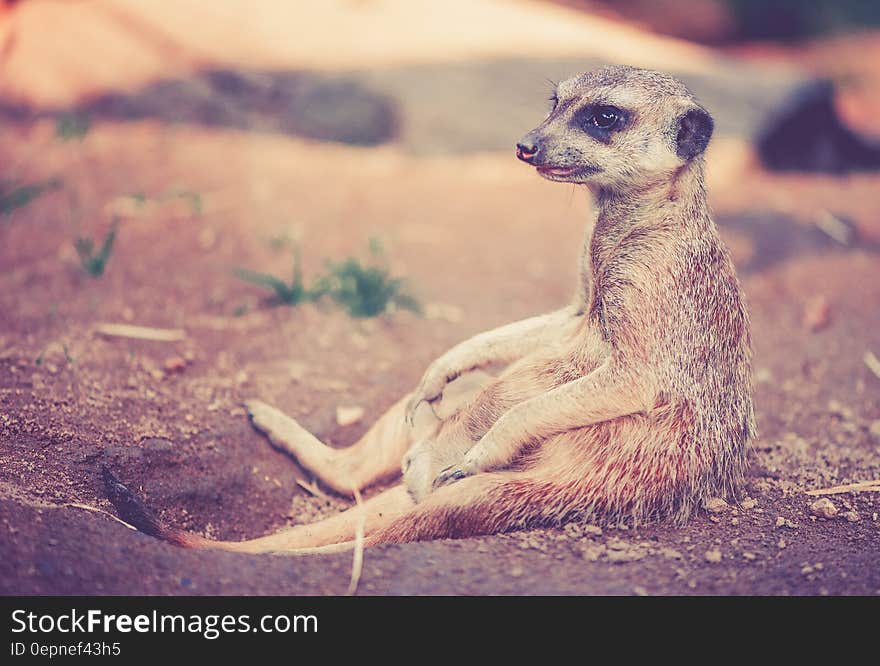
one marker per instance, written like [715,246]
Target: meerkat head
[617,127]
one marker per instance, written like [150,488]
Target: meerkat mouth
[554,172]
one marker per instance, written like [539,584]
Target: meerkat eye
[554,100]
[605,117]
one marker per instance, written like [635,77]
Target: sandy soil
[167,417]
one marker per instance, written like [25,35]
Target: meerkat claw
[449,475]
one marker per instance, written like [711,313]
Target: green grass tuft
[368,290]
[363,290]
[72,126]
[13,198]
[93,263]
[287,293]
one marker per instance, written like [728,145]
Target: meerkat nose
[526,151]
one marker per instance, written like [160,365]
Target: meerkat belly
[627,468]
[475,415]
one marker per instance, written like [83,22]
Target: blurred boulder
[804,132]
[323,107]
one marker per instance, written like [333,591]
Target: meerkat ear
[694,131]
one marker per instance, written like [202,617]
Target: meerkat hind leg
[375,456]
[378,454]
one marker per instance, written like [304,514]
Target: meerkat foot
[336,469]
[282,430]
[419,468]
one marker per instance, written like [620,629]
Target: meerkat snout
[617,127]
[527,149]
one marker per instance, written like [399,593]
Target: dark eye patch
[554,100]
[600,121]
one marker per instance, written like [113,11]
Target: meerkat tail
[132,510]
[334,534]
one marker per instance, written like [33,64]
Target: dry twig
[357,563]
[848,488]
[312,489]
[872,362]
[140,332]
[94,509]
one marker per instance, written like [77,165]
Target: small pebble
[816,314]
[713,556]
[715,505]
[174,364]
[346,416]
[785,522]
[823,508]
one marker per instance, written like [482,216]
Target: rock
[781,544]
[715,505]
[841,410]
[628,555]
[346,416]
[749,503]
[852,516]
[785,522]
[174,364]
[763,376]
[592,552]
[816,314]
[713,556]
[823,508]
[444,312]
[573,530]
[593,530]
[749,556]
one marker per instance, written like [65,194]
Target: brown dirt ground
[482,240]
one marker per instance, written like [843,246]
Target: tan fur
[630,405]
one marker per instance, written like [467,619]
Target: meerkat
[632,404]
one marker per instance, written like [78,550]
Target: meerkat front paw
[431,387]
